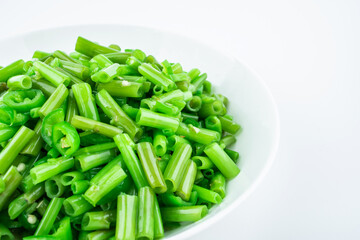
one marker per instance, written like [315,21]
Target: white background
[308,53]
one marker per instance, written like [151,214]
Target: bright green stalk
[151,167]
[73,79]
[101,60]
[49,217]
[229,125]
[198,81]
[145,226]
[52,167]
[119,88]
[193,73]
[33,147]
[232,154]
[222,161]
[72,109]
[40,54]
[91,49]
[187,182]
[2,185]
[85,101]
[158,224]
[117,115]
[19,82]
[176,167]
[184,214]
[45,86]
[203,162]
[95,148]
[21,203]
[118,57]
[85,162]
[170,200]
[218,184]
[107,74]
[98,220]
[155,76]
[76,205]
[54,101]
[200,135]
[207,195]
[127,208]
[87,124]
[13,148]
[103,182]
[80,186]
[13,69]
[125,145]
[99,235]
[130,111]
[166,108]
[51,74]
[152,119]
[227,141]
[124,186]
[76,69]
[63,56]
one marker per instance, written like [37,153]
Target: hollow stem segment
[184,214]
[87,124]
[103,182]
[117,115]
[52,167]
[176,167]
[151,167]
[54,101]
[49,217]
[126,145]
[127,210]
[12,179]
[85,101]
[51,74]
[222,161]
[13,148]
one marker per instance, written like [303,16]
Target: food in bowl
[104,143]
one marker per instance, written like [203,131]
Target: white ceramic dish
[251,103]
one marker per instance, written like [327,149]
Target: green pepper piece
[20,119]
[7,132]
[49,121]
[24,100]
[7,114]
[64,229]
[65,138]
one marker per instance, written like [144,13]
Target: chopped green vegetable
[104,143]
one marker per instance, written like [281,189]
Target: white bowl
[251,103]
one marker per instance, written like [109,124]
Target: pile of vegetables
[109,144]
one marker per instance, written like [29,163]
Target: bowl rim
[270,159]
